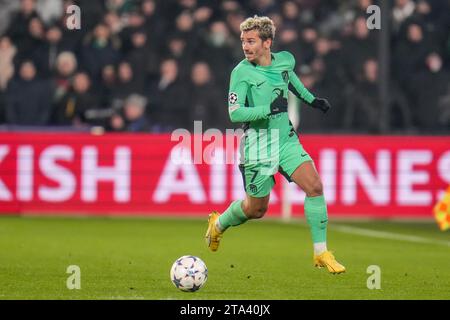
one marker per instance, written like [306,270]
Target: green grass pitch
[130,258]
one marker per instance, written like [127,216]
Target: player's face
[254,47]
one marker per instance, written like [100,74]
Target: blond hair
[264,25]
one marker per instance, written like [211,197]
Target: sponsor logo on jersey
[233,107]
[258,85]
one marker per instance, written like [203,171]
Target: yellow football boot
[327,259]
[213,235]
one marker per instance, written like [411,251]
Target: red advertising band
[115,174]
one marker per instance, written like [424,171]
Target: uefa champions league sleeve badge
[233,98]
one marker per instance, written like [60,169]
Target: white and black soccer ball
[188,273]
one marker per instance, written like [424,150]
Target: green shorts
[259,177]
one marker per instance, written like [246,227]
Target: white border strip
[386,235]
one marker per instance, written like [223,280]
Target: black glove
[279,105]
[321,104]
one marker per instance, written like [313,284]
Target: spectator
[216,50]
[28,99]
[99,51]
[169,98]
[7,53]
[204,97]
[308,37]
[8,8]
[116,123]
[66,66]
[34,38]
[433,83]
[134,111]
[227,6]
[91,14]
[126,83]
[401,11]
[114,23]
[18,30]
[310,120]
[184,24]
[288,40]
[134,21]
[359,8]
[74,107]
[291,14]
[154,24]
[433,16]
[202,16]
[107,85]
[363,112]
[46,54]
[49,10]
[444,110]
[142,57]
[177,49]
[409,56]
[131,116]
[120,6]
[361,46]
[264,7]
[329,67]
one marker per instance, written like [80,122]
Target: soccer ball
[188,273]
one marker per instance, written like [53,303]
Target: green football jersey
[253,88]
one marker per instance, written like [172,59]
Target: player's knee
[315,188]
[257,212]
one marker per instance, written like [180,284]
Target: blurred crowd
[157,65]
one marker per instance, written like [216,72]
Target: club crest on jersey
[253,188]
[285,76]
[233,98]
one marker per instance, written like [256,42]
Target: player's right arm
[236,101]
[298,89]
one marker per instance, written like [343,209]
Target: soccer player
[258,93]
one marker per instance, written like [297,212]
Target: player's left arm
[301,92]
